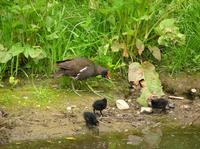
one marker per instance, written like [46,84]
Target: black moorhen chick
[90,119]
[159,103]
[80,69]
[99,105]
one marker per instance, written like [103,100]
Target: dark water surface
[168,138]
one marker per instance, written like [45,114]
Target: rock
[122,105]
[69,108]
[134,140]
[146,110]
[113,108]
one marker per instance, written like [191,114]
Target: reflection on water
[176,138]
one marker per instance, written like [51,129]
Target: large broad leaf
[156,52]
[5,56]
[27,48]
[151,84]
[37,53]
[169,33]
[16,49]
[140,46]
[2,48]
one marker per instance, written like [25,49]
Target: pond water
[167,138]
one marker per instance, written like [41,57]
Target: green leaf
[155,51]
[52,36]
[152,84]
[16,49]
[27,48]
[37,53]
[2,48]
[5,56]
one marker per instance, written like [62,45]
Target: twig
[176,97]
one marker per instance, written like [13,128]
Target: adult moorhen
[80,69]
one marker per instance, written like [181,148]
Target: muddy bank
[55,121]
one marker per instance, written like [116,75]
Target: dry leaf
[156,52]
[125,52]
[140,46]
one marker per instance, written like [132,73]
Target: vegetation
[35,34]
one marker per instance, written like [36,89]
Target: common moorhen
[99,105]
[90,119]
[80,69]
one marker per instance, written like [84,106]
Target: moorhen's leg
[101,113]
[73,88]
[94,111]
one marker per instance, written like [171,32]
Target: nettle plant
[13,55]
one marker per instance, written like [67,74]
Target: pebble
[122,104]
[146,110]
[69,108]
[126,130]
[129,100]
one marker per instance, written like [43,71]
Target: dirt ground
[56,121]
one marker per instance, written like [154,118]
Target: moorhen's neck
[100,70]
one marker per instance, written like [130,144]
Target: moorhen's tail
[58,62]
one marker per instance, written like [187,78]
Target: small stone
[69,108]
[113,108]
[122,105]
[193,90]
[126,130]
[129,101]
[146,110]
[48,107]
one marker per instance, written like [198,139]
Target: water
[173,138]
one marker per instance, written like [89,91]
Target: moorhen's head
[104,100]
[105,73]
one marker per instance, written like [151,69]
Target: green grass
[43,32]
[187,57]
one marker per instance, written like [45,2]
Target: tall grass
[104,31]
[186,58]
